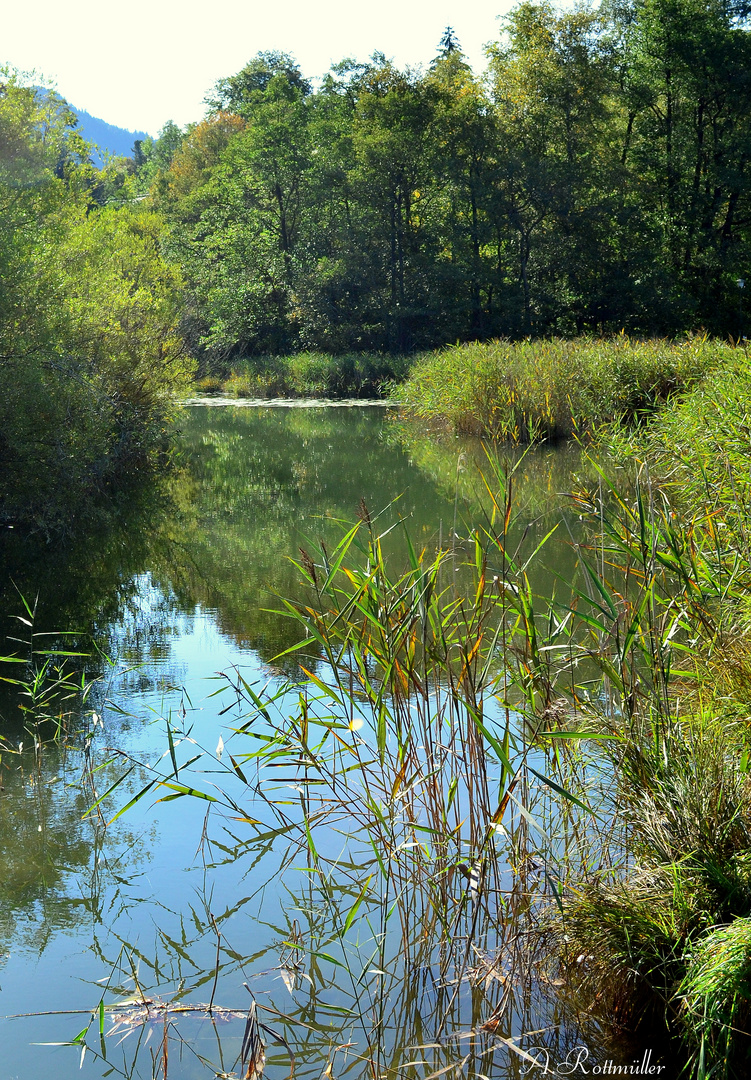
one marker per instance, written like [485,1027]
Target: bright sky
[148,61]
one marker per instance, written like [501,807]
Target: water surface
[183,585]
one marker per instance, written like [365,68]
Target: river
[161,905]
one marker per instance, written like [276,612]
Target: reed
[422,739]
[485,781]
[669,893]
[552,389]
[49,694]
[314,374]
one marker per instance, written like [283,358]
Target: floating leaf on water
[220,747]
[288,978]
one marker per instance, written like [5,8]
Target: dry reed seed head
[308,565]
[363,514]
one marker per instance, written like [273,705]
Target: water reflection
[252,486]
[179,585]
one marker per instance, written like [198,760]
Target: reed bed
[552,389]
[309,374]
[699,448]
[423,740]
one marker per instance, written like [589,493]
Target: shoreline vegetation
[309,374]
[549,390]
[591,180]
[636,686]
[594,180]
[543,390]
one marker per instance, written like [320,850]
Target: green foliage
[716,992]
[659,917]
[699,448]
[310,374]
[50,693]
[552,389]
[683,780]
[594,179]
[90,353]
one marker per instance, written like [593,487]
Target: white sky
[141,63]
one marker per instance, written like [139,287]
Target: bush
[91,369]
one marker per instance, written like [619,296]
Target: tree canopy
[90,351]
[594,178]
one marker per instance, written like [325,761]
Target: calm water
[186,584]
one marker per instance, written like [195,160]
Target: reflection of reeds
[422,739]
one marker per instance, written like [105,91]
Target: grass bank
[534,390]
[309,374]
[665,926]
[698,449]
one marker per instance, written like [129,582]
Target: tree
[236,213]
[558,119]
[687,77]
[90,353]
[240,93]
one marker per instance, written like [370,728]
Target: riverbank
[528,391]
[647,896]
[553,389]
[650,653]
[308,375]
[663,914]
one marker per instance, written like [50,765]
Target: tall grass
[699,447]
[426,732]
[49,694]
[665,905]
[310,374]
[533,390]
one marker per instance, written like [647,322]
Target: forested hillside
[593,178]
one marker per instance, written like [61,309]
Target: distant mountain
[107,137]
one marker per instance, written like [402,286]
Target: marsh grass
[699,448]
[312,374]
[423,746]
[671,889]
[552,389]
[716,994]
[48,693]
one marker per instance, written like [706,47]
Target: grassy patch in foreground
[533,390]
[310,374]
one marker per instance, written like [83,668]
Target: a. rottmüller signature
[577,1063]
